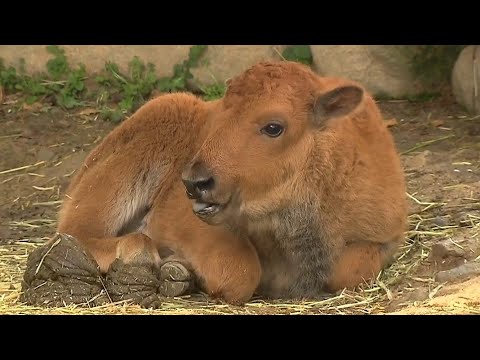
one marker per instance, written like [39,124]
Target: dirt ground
[41,146]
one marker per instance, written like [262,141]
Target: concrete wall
[380,68]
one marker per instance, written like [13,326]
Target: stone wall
[382,69]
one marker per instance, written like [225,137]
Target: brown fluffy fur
[321,207]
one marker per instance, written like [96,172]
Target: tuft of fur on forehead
[268,79]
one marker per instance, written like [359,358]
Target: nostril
[196,187]
[198,180]
[190,188]
[205,184]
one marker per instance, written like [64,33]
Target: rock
[446,248]
[226,61]
[466,79]
[383,70]
[461,272]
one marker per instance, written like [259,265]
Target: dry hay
[370,298]
[12,263]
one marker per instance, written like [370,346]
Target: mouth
[206,210]
[210,212]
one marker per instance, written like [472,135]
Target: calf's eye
[273,130]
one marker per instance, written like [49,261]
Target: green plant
[134,88]
[8,77]
[66,85]
[181,71]
[58,66]
[63,83]
[214,91]
[114,115]
[73,88]
[298,53]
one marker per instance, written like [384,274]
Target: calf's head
[263,131]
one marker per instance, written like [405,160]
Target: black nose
[198,180]
[197,188]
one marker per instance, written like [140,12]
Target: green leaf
[214,91]
[79,86]
[178,84]
[103,80]
[113,116]
[136,69]
[126,104]
[58,66]
[195,53]
[164,84]
[31,99]
[298,53]
[178,70]
[67,102]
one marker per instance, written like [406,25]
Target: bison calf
[294,180]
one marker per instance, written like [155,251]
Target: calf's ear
[337,102]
